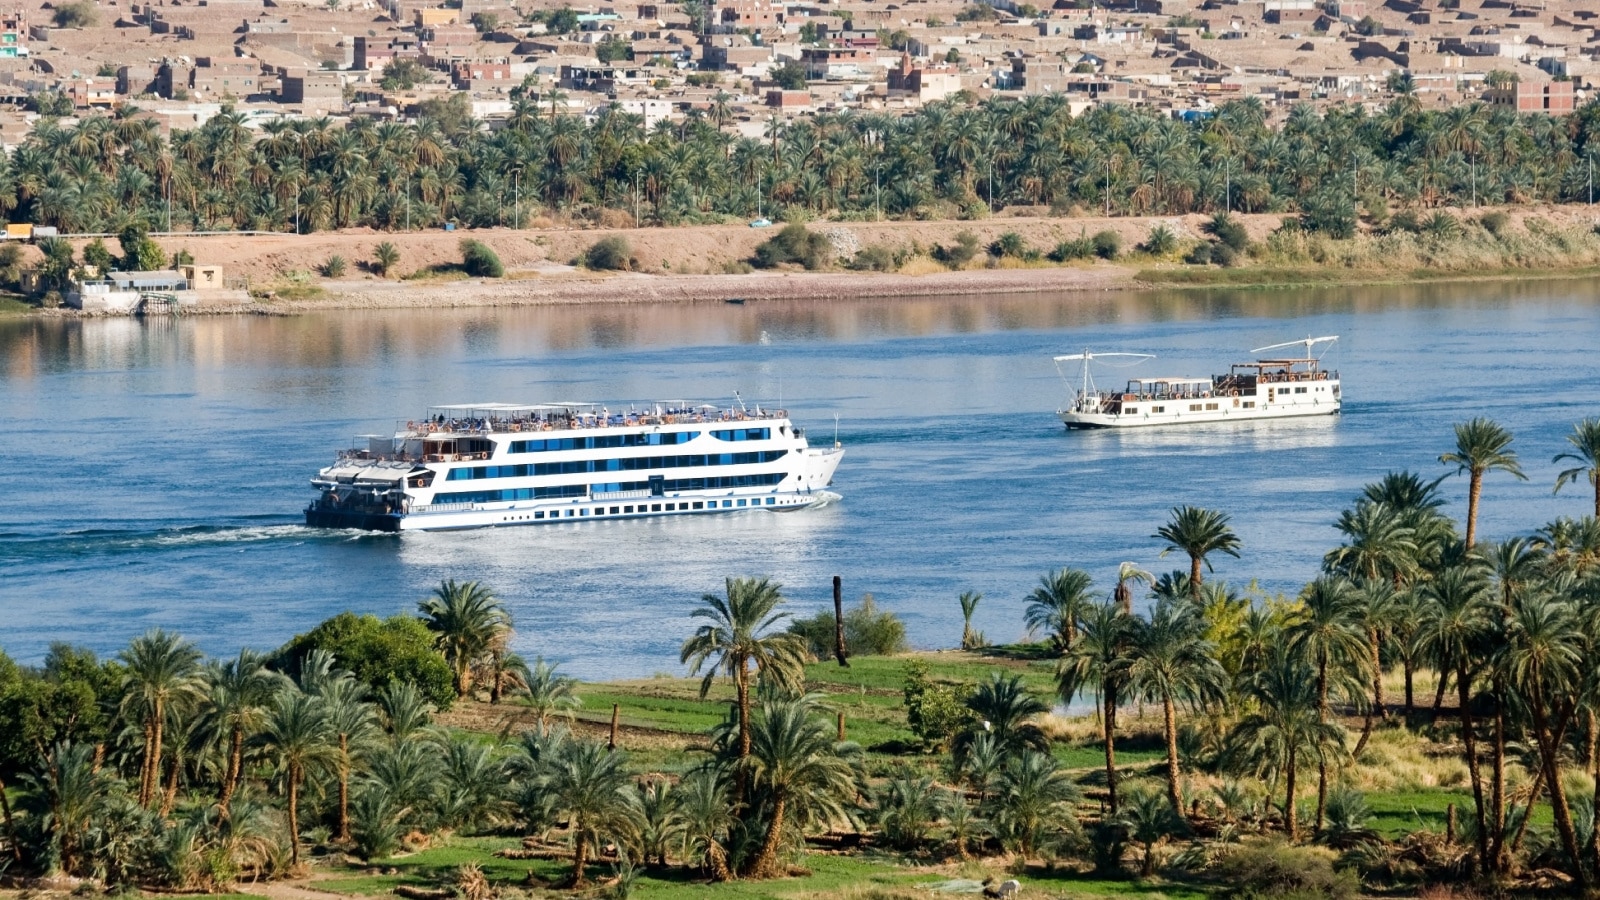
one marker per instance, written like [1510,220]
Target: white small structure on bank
[186,287]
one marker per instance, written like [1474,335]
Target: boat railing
[620,495]
[480,427]
[424,509]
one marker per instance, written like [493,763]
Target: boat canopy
[1169,381]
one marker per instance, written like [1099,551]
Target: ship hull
[501,515]
[1074,420]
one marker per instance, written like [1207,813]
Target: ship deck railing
[481,427]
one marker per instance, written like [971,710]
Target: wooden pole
[841,727]
[612,744]
[838,622]
[1450,823]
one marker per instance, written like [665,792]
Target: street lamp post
[516,199]
[877,191]
[636,198]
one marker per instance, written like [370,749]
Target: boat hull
[1076,420]
[572,511]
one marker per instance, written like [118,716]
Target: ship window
[583,512]
[1132,409]
[538,515]
[771,500]
[1249,404]
[1194,407]
[655,507]
[615,510]
[1211,406]
[741,502]
[1158,409]
[699,505]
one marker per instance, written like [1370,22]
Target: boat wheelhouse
[1267,388]
[485,464]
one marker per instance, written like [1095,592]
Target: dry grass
[922,265]
[1399,761]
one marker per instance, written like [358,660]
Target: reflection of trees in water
[351,337]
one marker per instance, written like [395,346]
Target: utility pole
[1227,185]
[1108,187]
[636,198]
[877,200]
[1591,181]
[516,195]
[1474,162]
[838,623]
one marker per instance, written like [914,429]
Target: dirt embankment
[684,264]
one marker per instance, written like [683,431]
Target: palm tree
[1453,624]
[1482,446]
[64,795]
[1198,533]
[1329,635]
[739,634]
[385,257]
[236,701]
[298,739]
[1379,544]
[163,671]
[1545,662]
[969,605]
[1147,818]
[466,620]
[707,821]
[589,782]
[1004,711]
[1057,603]
[550,692]
[661,822]
[354,724]
[1585,439]
[1285,731]
[1100,660]
[1129,574]
[1174,663]
[798,771]
[1030,796]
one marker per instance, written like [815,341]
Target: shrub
[609,254]
[934,712]
[183,257]
[334,267]
[96,255]
[78,14]
[480,261]
[139,252]
[1009,244]
[1330,211]
[1160,242]
[966,247]
[1223,255]
[876,258]
[867,631]
[1200,255]
[1405,220]
[1495,222]
[379,652]
[794,244]
[1077,248]
[1271,868]
[384,258]
[1107,244]
[1230,231]
[1441,225]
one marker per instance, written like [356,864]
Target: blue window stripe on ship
[580,490]
[743,434]
[624,464]
[604,441]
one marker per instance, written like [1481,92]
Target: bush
[1160,242]
[876,258]
[794,244]
[867,631]
[1495,222]
[1223,255]
[1066,251]
[384,258]
[1272,869]
[1107,244]
[1230,231]
[334,267]
[139,252]
[97,256]
[609,254]
[934,712]
[480,261]
[78,14]
[380,652]
[1009,244]
[966,247]
[1200,255]
[1441,225]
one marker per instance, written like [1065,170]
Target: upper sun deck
[1294,369]
[482,419]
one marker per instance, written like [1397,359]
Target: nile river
[153,473]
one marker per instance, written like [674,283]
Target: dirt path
[286,890]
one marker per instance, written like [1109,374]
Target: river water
[152,473]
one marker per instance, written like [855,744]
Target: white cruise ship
[1272,388]
[478,465]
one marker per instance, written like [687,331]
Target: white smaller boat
[1267,388]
